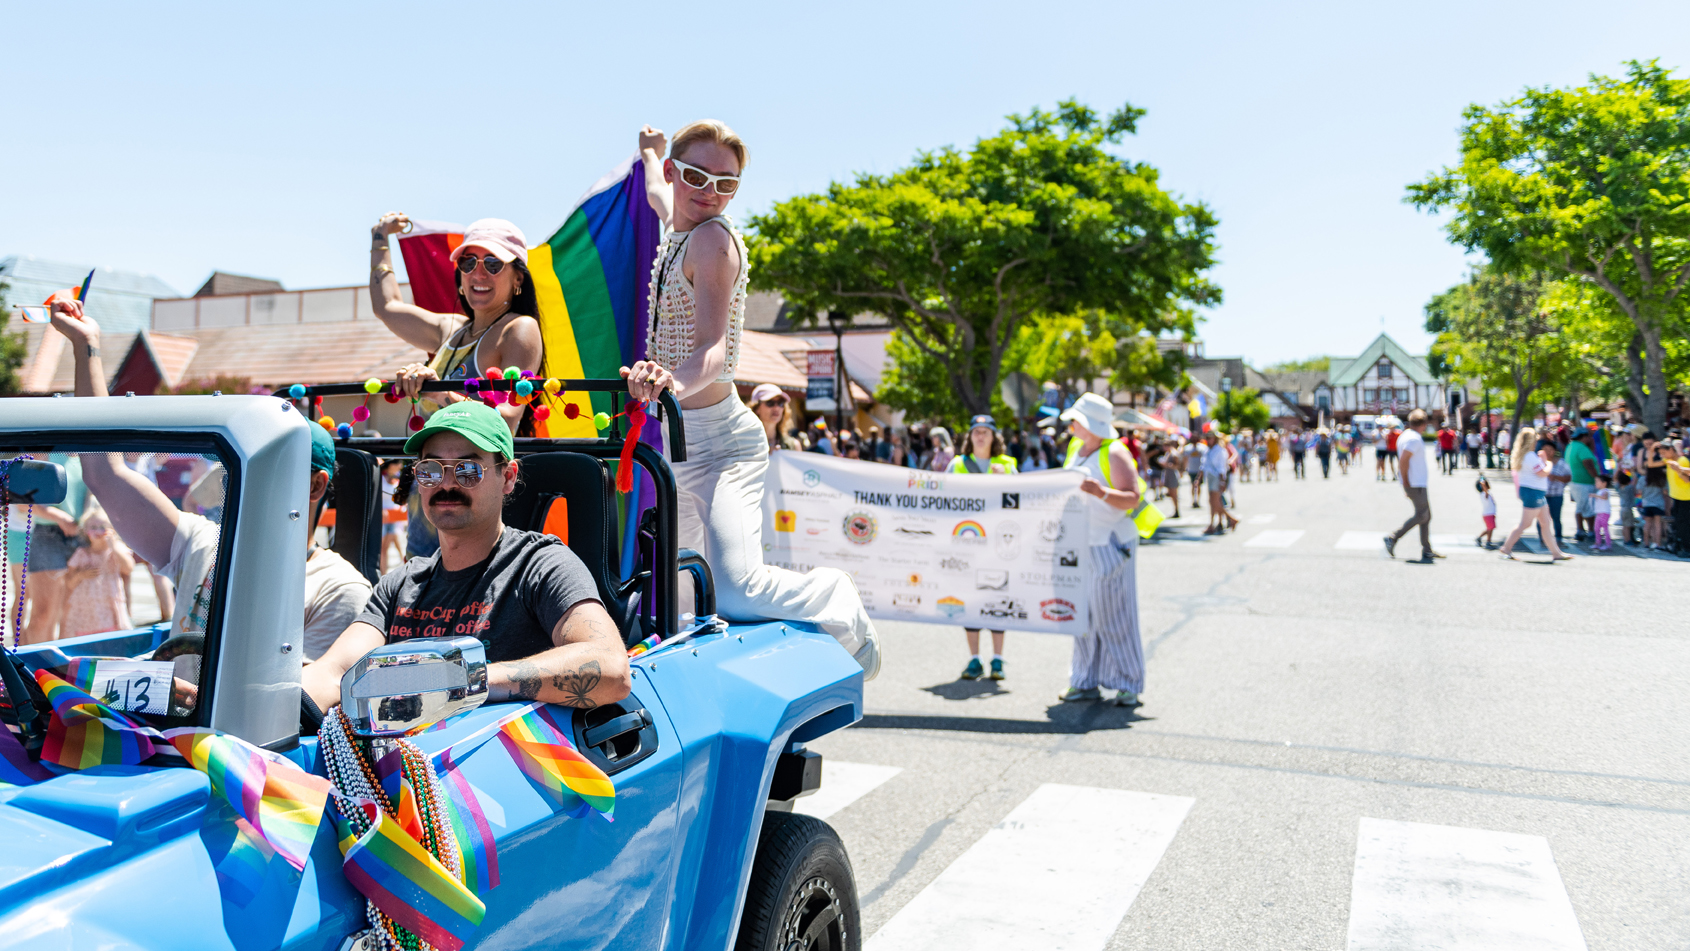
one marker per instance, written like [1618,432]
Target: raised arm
[423,329]
[658,192]
[588,667]
[143,517]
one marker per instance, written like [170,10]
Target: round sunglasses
[467,473]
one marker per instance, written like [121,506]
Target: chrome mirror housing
[400,688]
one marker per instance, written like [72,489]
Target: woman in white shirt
[1531,476]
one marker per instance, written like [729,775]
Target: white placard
[1002,552]
[134,686]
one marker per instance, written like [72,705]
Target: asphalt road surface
[1336,750]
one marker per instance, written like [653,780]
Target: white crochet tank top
[669,339]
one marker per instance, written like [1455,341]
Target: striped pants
[1110,653]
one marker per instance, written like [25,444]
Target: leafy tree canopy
[1591,183]
[1242,408]
[1310,365]
[12,352]
[960,249]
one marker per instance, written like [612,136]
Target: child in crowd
[97,582]
[1600,512]
[1487,508]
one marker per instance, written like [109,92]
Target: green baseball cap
[477,422]
[322,449]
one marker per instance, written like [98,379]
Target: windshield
[116,588]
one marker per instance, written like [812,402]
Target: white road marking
[1275,538]
[1409,546]
[843,784]
[1363,541]
[1425,886]
[1058,874]
[1260,519]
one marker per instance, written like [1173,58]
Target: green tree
[1591,183]
[959,250]
[1242,408]
[1077,351]
[916,383]
[1310,365]
[1496,327]
[12,350]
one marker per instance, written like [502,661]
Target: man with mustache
[526,596]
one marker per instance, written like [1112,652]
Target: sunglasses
[467,473]
[726,185]
[466,264]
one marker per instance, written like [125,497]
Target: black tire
[802,895]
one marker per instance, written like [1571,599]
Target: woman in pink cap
[496,326]
[773,409]
[698,288]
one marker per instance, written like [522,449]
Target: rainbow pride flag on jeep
[590,275]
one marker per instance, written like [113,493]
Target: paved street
[1336,750]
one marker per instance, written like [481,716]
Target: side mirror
[34,482]
[400,688]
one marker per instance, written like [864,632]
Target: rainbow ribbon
[239,855]
[645,645]
[546,756]
[476,842]
[84,732]
[277,800]
[407,884]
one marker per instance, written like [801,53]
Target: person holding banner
[985,454]
[697,298]
[1109,653]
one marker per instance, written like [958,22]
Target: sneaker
[997,668]
[1075,695]
[1437,554]
[973,671]
[1425,559]
[1126,698]
[1390,546]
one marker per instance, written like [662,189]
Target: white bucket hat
[1094,413]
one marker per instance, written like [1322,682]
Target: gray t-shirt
[511,601]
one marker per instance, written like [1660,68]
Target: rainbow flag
[477,845]
[395,872]
[16,768]
[591,277]
[546,756]
[239,855]
[84,732]
[281,803]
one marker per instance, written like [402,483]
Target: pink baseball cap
[765,392]
[497,235]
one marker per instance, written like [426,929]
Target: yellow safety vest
[960,464]
[1146,517]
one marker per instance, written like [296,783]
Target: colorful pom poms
[297,391]
[344,430]
[496,398]
[414,423]
[529,375]
[571,411]
[372,386]
[390,397]
[327,422]
[542,412]
[472,385]
[601,421]
[513,373]
[360,413]
[552,386]
[524,388]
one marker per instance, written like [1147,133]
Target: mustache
[450,495]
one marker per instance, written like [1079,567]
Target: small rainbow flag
[546,756]
[477,845]
[409,885]
[239,855]
[280,802]
[84,732]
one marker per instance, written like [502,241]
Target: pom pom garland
[414,423]
[472,385]
[360,413]
[344,430]
[542,413]
[552,386]
[513,373]
[372,386]
[601,421]
[297,391]
[524,388]
[327,422]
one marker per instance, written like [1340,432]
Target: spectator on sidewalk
[1601,511]
[1559,475]
[1411,464]
[1626,482]
[1582,467]
[1217,467]
[1654,501]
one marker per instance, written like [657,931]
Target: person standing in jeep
[526,596]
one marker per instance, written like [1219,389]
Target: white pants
[720,494]
[1109,653]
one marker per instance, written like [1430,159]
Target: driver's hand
[184,696]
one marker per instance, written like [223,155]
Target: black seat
[357,504]
[588,490]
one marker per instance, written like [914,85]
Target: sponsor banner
[1002,552]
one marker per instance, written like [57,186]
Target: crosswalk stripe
[1447,544]
[843,784]
[1261,519]
[1073,858]
[1275,538]
[1427,886]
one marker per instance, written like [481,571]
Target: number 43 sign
[134,686]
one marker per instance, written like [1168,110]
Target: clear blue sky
[266,139]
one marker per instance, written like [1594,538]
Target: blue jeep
[707,753]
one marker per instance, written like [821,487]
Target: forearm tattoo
[578,685]
[525,678]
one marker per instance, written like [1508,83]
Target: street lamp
[1226,402]
[837,319]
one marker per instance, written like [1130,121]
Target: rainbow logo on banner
[968,528]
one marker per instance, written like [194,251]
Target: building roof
[1350,373]
[121,301]
[221,282]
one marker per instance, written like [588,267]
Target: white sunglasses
[726,185]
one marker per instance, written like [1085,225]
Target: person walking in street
[1110,653]
[1487,511]
[1380,439]
[1299,446]
[1272,472]
[1411,464]
[1216,468]
[1531,477]
[1195,452]
[1323,449]
[1446,449]
[1583,470]
[985,455]
[1392,439]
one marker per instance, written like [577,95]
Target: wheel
[802,895]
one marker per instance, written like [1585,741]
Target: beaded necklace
[350,771]
[16,632]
